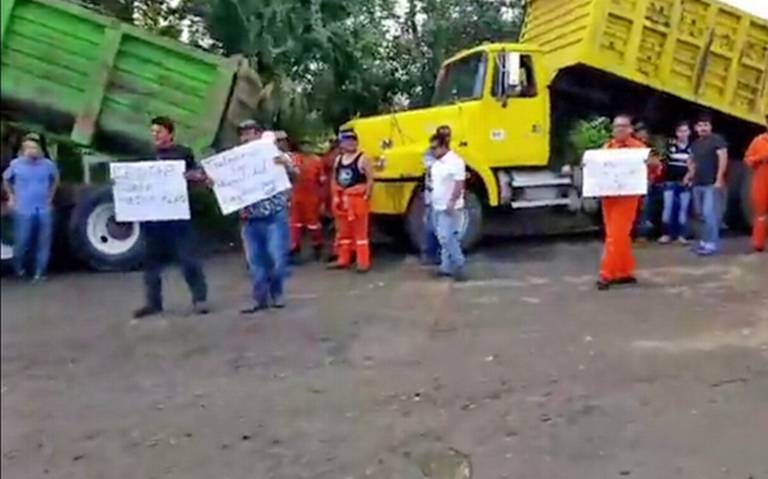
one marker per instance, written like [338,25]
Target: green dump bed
[71,70]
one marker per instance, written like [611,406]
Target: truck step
[523,204]
[538,179]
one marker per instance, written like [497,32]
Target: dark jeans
[267,244]
[172,242]
[32,235]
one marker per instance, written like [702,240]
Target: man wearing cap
[353,179]
[264,234]
[30,182]
[306,201]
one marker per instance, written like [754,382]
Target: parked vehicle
[77,76]
[510,105]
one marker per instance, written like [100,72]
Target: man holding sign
[168,241]
[619,212]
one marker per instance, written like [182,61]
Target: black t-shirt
[177,152]
[676,163]
[704,151]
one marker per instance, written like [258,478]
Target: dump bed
[703,51]
[71,70]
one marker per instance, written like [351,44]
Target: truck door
[516,114]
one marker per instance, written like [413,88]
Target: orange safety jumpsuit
[330,193]
[307,200]
[351,212]
[757,159]
[619,213]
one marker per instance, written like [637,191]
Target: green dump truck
[90,80]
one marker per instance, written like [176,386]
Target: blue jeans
[268,246]
[447,229]
[430,244]
[678,195]
[706,200]
[32,233]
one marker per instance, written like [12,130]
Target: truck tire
[470,230]
[6,243]
[98,240]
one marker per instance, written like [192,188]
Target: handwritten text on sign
[615,172]
[246,174]
[150,191]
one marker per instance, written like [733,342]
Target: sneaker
[683,241]
[706,251]
[21,274]
[278,303]
[147,311]
[201,307]
[666,239]
[441,274]
[254,309]
[39,278]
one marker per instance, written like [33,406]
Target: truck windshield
[461,80]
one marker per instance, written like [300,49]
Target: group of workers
[342,181]
[689,171]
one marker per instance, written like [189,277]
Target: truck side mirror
[511,70]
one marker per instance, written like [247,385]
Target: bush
[588,135]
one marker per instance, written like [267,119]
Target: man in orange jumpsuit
[619,212]
[353,183]
[757,159]
[306,202]
[329,193]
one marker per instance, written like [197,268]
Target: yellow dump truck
[507,103]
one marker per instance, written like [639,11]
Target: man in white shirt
[448,174]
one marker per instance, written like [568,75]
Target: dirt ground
[525,372]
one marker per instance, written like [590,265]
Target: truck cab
[496,101]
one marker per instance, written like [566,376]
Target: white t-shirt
[445,173]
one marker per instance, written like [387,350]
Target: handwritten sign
[616,172]
[150,191]
[246,174]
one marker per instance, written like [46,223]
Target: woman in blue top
[676,191]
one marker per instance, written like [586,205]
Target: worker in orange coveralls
[757,159]
[619,212]
[306,202]
[328,193]
[353,178]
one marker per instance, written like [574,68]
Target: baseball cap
[347,135]
[248,125]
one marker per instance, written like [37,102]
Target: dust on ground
[525,372]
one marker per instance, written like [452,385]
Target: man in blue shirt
[30,182]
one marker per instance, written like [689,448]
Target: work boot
[626,280]
[147,311]
[460,276]
[201,307]
[603,284]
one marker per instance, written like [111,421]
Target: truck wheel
[6,242]
[470,229]
[98,240]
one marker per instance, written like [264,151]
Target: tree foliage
[324,61]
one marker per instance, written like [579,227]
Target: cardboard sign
[150,191]
[615,172]
[246,174]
